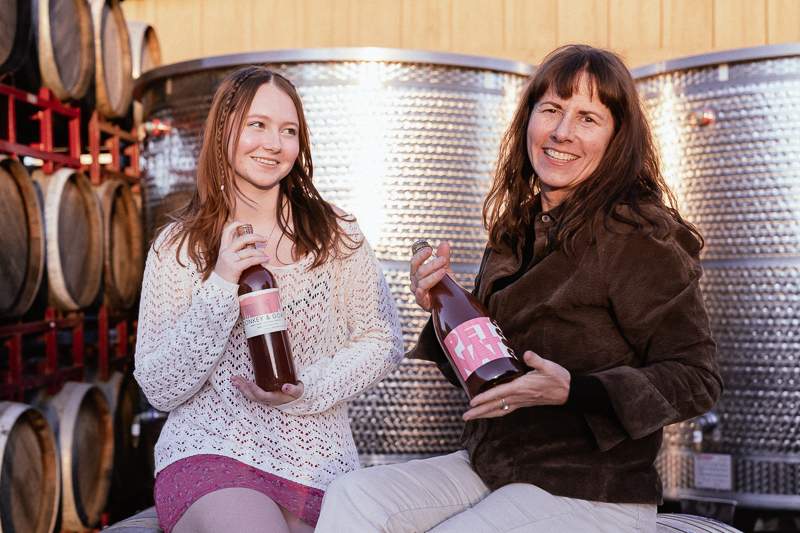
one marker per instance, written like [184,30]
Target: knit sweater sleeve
[375,342]
[184,326]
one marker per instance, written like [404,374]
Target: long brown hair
[629,172]
[201,222]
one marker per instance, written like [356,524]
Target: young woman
[233,457]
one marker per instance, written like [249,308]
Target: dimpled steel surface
[738,180]
[409,149]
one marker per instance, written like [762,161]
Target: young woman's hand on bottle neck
[277,246]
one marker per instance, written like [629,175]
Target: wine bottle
[473,342]
[265,325]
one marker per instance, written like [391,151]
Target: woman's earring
[222,187]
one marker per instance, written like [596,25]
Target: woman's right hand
[234,258]
[426,275]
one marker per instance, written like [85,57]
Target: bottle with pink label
[265,326]
[473,343]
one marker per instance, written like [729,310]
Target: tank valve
[705,116]
[153,127]
[702,425]
[149,416]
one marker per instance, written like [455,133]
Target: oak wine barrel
[147,522]
[685,523]
[112,52]
[73,238]
[145,48]
[15,33]
[123,246]
[145,55]
[22,241]
[132,479]
[143,522]
[86,449]
[30,482]
[66,52]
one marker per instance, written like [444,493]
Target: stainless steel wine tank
[729,128]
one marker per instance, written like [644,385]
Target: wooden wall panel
[783,21]
[642,31]
[266,34]
[139,10]
[635,28]
[427,25]
[739,23]
[323,23]
[378,23]
[582,21]
[688,27]
[177,26]
[478,27]
[225,27]
[530,29]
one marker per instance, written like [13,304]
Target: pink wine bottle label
[474,343]
[261,312]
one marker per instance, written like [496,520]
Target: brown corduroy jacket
[624,307]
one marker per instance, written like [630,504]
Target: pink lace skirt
[183,482]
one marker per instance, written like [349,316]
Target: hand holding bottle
[264,324]
[546,384]
[426,275]
[254,393]
[471,340]
[234,256]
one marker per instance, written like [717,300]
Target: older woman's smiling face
[567,140]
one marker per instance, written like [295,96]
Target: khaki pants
[444,495]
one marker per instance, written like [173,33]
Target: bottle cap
[245,229]
[419,245]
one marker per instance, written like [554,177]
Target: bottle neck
[446,290]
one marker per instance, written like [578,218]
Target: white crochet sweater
[344,335]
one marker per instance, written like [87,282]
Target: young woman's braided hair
[315,226]
[223,121]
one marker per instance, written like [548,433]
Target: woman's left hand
[254,393]
[547,384]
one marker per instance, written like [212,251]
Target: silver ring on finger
[239,253]
[505,407]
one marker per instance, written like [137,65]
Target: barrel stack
[71,260]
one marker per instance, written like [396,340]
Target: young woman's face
[567,140]
[269,143]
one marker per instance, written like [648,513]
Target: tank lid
[312,55]
[738,55]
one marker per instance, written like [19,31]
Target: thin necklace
[276,245]
[275,225]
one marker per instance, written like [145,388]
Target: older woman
[592,274]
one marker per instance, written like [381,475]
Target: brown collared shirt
[624,307]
